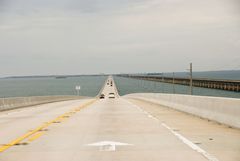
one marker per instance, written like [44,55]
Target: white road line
[180,137]
[191,144]
[152,117]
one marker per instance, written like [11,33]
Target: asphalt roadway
[111,129]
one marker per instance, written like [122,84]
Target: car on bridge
[102,96]
[111,95]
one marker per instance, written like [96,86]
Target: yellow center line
[43,126]
[36,136]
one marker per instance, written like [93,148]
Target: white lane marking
[191,144]
[108,145]
[180,137]
[141,110]
[152,117]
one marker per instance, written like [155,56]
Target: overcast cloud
[115,36]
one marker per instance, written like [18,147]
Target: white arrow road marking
[108,145]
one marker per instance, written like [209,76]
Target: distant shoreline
[49,76]
[220,74]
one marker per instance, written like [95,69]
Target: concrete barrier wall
[17,102]
[222,110]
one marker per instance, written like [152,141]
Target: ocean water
[91,85]
[129,85]
[20,87]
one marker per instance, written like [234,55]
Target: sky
[42,37]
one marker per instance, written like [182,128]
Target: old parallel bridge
[229,85]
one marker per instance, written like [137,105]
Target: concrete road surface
[110,129]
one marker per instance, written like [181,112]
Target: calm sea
[91,85]
[19,87]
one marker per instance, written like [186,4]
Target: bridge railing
[222,110]
[17,102]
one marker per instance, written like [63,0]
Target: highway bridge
[136,127]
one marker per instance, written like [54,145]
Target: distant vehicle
[111,95]
[102,96]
